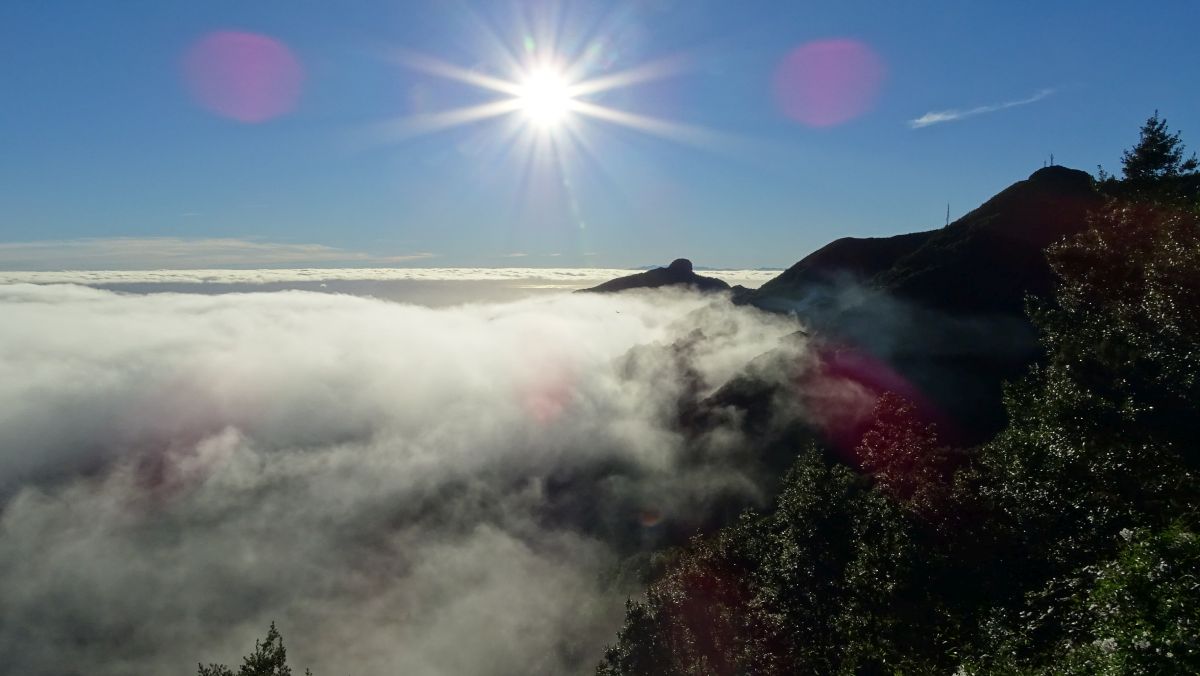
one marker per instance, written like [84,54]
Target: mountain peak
[678,273]
[680,266]
[1060,175]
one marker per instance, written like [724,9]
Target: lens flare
[246,77]
[828,82]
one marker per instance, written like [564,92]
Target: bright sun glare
[545,98]
[549,93]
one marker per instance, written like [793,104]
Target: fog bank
[403,489]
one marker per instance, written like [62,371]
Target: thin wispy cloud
[955,114]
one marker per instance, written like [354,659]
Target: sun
[545,98]
[553,95]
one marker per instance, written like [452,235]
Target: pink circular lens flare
[243,76]
[828,82]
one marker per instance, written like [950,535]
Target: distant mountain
[938,314]
[984,262]
[678,273]
[943,308]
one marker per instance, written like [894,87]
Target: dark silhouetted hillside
[678,273]
[982,263]
[944,308]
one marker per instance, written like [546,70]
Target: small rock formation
[680,266]
[678,273]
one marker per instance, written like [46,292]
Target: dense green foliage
[1068,544]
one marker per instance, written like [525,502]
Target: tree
[1102,435]
[1133,613]
[268,659]
[1158,154]
[902,453]
[1101,441]
[832,581]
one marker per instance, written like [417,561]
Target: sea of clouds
[558,277]
[403,489]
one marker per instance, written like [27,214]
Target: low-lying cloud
[123,253]
[405,490]
[558,277]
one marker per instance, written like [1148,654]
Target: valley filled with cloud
[411,490]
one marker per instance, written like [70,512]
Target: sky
[743,135]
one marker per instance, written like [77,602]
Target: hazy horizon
[431,287]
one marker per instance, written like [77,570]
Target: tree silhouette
[268,659]
[1157,155]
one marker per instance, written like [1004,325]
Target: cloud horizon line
[558,277]
[179,253]
[954,114]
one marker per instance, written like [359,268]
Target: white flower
[1106,645]
[1126,533]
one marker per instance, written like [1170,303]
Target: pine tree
[1157,155]
[268,659]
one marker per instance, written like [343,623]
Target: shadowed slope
[944,308]
[984,262]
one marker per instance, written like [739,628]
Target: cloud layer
[177,252]
[554,277]
[954,114]
[405,490]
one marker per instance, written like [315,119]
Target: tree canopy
[1158,155]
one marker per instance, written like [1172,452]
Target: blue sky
[102,139]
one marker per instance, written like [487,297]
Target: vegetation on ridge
[1068,544]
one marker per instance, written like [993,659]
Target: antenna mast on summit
[947,213]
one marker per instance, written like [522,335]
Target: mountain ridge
[1007,233]
[943,309]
